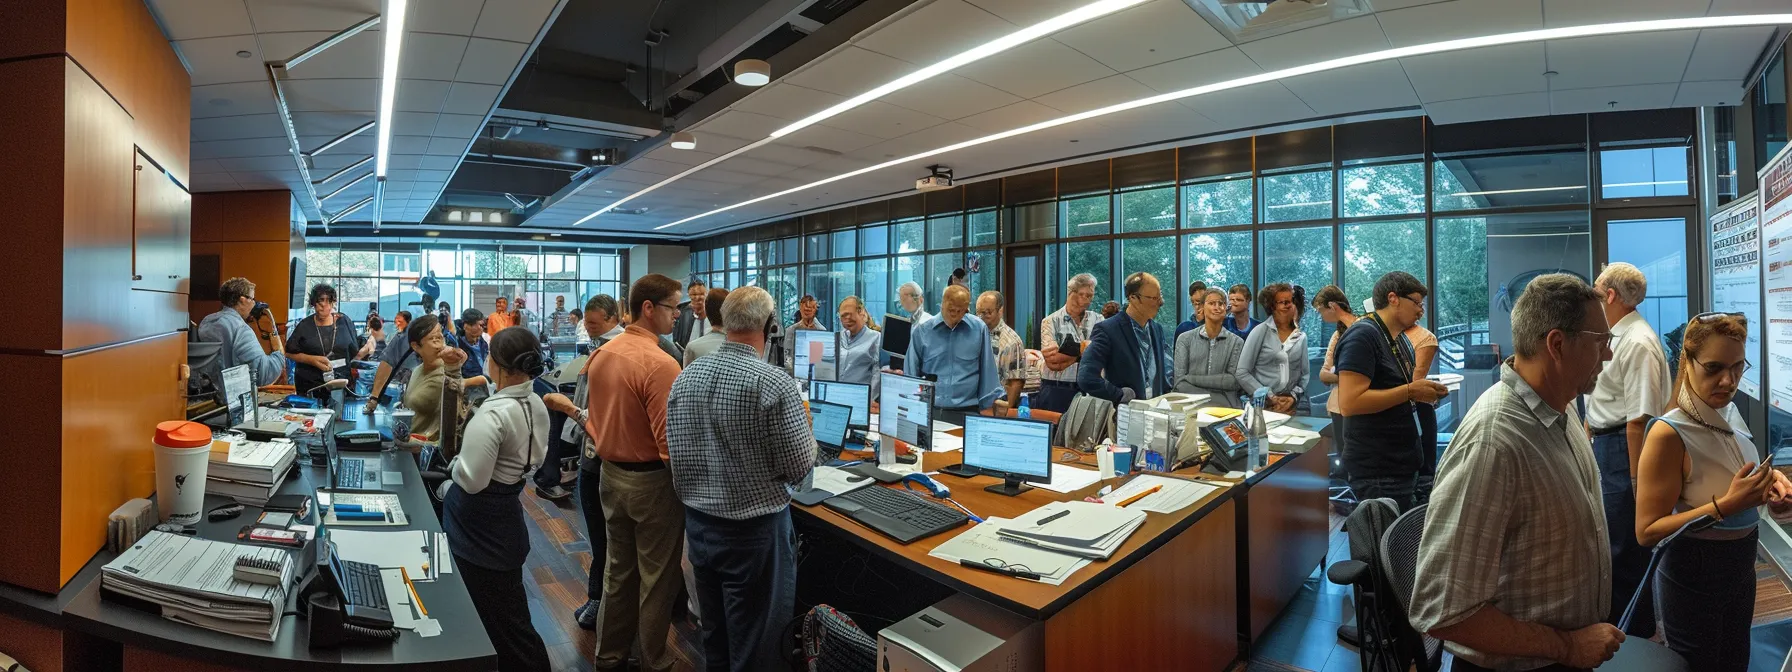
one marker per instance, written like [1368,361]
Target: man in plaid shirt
[1011,354]
[739,437]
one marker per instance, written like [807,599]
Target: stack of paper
[985,544]
[378,502]
[1086,529]
[1068,479]
[1287,435]
[249,471]
[413,550]
[1175,494]
[192,580]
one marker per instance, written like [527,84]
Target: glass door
[1661,242]
[1025,282]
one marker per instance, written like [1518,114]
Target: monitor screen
[851,395]
[829,423]
[906,409]
[814,355]
[895,339]
[239,393]
[1021,449]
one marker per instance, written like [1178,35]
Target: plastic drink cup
[183,453]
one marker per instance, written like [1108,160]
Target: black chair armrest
[1347,572]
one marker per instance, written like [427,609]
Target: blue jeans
[1401,488]
[746,587]
[1629,559]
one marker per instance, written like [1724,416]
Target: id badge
[329,375]
[338,363]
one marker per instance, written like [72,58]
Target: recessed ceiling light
[556,235]
[1540,35]
[752,72]
[538,237]
[432,234]
[244,54]
[684,140]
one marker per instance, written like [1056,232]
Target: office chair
[1400,562]
[1377,648]
[1637,653]
[832,642]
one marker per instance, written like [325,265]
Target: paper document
[1083,523]
[193,581]
[984,543]
[398,600]
[943,426]
[1288,435]
[837,481]
[369,501]
[1067,479]
[386,550]
[943,442]
[1175,495]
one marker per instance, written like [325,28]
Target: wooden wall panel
[31,472]
[1289,531]
[161,231]
[254,234]
[119,43]
[36,646]
[145,660]
[31,169]
[112,399]
[96,220]
[225,216]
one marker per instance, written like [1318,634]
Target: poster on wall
[1736,275]
[1776,247]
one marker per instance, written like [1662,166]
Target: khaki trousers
[644,523]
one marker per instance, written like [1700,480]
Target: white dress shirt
[1635,383]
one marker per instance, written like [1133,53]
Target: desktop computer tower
[962,634]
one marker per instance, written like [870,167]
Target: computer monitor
[851,395]
[906,409]
[814,355]
[830,425]
[239,394]
[895,339]
[1013,449]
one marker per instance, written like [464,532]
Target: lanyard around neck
[1406,366]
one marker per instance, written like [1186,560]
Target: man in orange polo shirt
[643,518]
[500,318]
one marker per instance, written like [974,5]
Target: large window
[1372,249]
[1155,256]
[1643,173]
[1095,258]
[370,274]
[1219,259]
[1086,216]
[1387,189]
[1220,201]
[1147,209]
[1297,196]
[1302,257]
[1510,180]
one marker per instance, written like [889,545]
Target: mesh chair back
[1400,562]
[832,642]
[1377,648]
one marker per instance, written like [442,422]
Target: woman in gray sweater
[1207,356]
[1275,354]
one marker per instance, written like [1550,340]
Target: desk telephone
[344,601]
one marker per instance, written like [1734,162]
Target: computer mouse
[855,479]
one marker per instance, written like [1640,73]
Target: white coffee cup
[183,453]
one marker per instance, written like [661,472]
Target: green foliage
[1155,256]
[1148,210]
[1095,258]
[1218,203]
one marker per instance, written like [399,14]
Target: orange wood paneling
[37,647]
[145,660]
[161,231]
[31,169]
[112,399]
[119,43]
[96,219]
[227,216]
[31,472]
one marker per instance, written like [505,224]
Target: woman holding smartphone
[1698,459]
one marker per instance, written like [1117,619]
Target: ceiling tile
[422,95]
[1154,124]
[882,120]
[1708,94]
[753,166]
[222,100]
[454,17]
[1583,12]
[740,125]
[468,98]
[448,146]
[950,96]
[1390,5]
[332,95]
[1158,31]
[401,163]
[224,149]
[1375,86]
[656,167]
[1028,12]
[410,144]
[1640,97]
[203,166]
[795,156]
[787,101]
[213,182]
[1489,107]
[331,124]
[1457,19]
[234,128]
[1477,73]
[435,176]
[1727,53]
[358,146]
[413,123]
[1023,113]
[330,162]
[258,163]
[357,56]
[1736,7]
[439,162]
[490,61]
[1255,105]
[460,125]
[937,31]
[849,72]
[828,138]
[683,157]
[288,15]
[1196,71]
[926,140]
[514,20]
[188,20]
[1312,45]
[1099,93]
[214,60]
[722,176]
[719,143]
[1616,60]
[431,56]
[1035,69]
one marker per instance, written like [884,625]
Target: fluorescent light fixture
[1073,17]
[1530,190]
[392,27]
[1569,32]
[684,140]
[752,72]
[357,205]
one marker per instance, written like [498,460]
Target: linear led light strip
[1073,17]
[393,30]
[1296,71]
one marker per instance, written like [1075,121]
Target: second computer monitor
[814,355]
[829,423]
[1012,449]
[852,395]
[905,409]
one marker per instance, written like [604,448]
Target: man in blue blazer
[1127,356]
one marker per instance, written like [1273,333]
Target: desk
[151,642]
[1168,599]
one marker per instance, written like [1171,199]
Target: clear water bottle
[1025,410]
[1258,451]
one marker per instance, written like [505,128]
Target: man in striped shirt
[1062,335]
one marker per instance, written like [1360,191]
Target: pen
[413,588]
[1053,517]
[1141,495]
[1030,576]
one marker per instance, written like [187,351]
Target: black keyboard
[351,474]
[902,516]
[362,585]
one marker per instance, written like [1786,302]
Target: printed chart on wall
[1776,243]
[1736,275]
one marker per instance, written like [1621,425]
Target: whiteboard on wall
[1775,199]
[1736,275]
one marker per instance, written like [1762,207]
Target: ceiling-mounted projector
[940,178]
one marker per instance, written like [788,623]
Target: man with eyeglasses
[1128,356]
[1377,391]
[1063,335]
[1631,390]
[1010,353]
[956,352]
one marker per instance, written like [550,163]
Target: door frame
[1009,255]
[1696,290]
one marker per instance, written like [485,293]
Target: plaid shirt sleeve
[1011,360]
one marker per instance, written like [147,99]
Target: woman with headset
[505,441]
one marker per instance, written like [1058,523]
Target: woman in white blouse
[1698,459]
[1275,354]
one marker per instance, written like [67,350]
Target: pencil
[1141,495]
[413,588]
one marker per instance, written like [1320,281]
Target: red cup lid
[183,434]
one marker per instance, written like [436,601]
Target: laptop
[350,472]
[829,422]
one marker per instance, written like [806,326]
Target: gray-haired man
[1514,573]
[913,303]
[1064,333]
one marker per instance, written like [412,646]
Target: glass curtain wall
[370,275]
